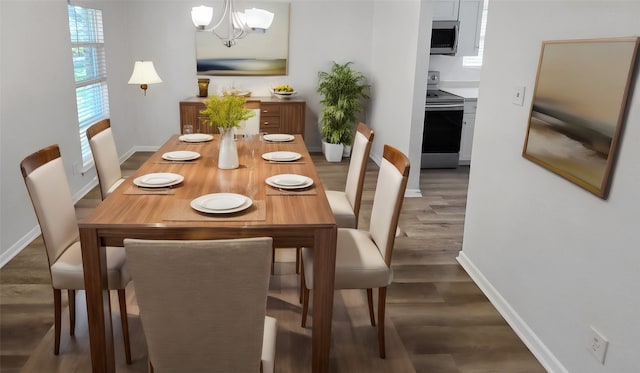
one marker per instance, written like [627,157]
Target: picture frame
[256,54]
[578,108]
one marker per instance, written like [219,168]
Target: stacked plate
[196,137]
[158,180]
[221,203]
[181,155]
[289,181]
[281,156]
[278,137]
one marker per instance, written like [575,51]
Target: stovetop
[440,96]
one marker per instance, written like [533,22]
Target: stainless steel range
[442,126]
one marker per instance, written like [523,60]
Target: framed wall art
[255,54]
[578,108]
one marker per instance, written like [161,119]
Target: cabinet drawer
[270,125]
[269,110]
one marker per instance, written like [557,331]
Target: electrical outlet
[518,96]
[597,345]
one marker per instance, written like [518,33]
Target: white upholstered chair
[346,204]
[105,156]
[203,303]
[250,126]
[363,257]
[46,181]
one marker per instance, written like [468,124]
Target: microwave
[444,37]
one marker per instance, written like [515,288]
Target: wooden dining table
[292,217]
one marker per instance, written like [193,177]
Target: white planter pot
[346,152]
[332,152]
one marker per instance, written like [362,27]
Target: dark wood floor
[438,319]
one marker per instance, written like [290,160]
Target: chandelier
[232,25]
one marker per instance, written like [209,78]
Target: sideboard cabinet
[276,116]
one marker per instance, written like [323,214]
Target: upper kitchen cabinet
[469,14]
[445,10]
[470,18]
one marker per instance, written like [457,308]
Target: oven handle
[444,107]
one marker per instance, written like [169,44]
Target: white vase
[332,152]
[228,154]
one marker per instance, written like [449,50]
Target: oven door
[441,135]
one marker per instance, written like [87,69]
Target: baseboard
[413,193]
[528,337]
[17,247]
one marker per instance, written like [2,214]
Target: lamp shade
[144,73]
[258,18]
[201,15]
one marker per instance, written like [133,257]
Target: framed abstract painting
[578,108]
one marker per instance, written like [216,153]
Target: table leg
[98,304]
[325,259]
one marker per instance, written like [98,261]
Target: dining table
[294,215]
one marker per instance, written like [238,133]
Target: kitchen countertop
[467,93]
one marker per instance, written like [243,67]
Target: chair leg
[71,297]
[122,300]
[305,306]
[57,312]
[370,301]
[301,281]
[382,299]
[298,253]
[273,260]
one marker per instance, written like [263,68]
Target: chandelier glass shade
[232,25]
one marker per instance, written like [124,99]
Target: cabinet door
[292,118]
[466,140]
[445,10]
[470,22]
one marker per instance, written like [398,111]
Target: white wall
[37,81]
[553,257]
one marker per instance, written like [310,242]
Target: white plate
[196,137]
[158,180]
[218,203]
[278,137]
[289,181]
[181,155]
[281,156]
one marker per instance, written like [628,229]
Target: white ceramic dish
[158,180]
[281,156]
[181,155]
[196,137]
[285,95]
[278,137]
[221,203]
[289,181]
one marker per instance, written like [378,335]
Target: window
[90,71]
[476,61]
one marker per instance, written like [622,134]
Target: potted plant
[342,90]
[226,112]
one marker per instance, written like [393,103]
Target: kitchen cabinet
[469,13]
[445,10]
[276,116]
[468,126]
[470,17]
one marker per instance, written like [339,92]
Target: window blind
[90,71]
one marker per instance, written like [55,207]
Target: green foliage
[343,90]
[226,111]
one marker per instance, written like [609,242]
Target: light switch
[518,96]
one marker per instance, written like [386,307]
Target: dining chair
[45,178]
[250,126]
[105,156]
[345,204]
[363,257]
[203,303]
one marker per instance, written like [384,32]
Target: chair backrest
[358,167]
[387,200]
[250,126]
[46,181]
[105,155]
[202,303]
